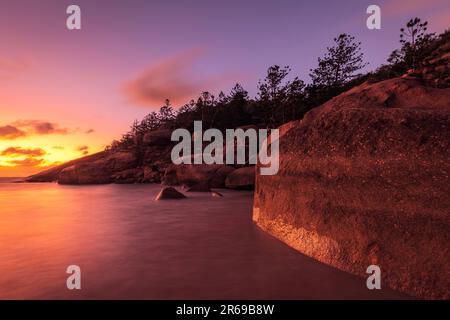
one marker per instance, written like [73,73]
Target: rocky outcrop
[115,166]
[83,173]
[141,164]
[52,174]
[132,175]
[214,175]
[242,179]
[169,193]
[435,69]
[151,174]
[149,164]
[218,178]
[365,179]
[146,160]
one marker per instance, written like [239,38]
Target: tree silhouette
[415,31]
[274,93]
[166,113]
[205,106]
[238,93]
[415,41]
[280,100]
[340,63]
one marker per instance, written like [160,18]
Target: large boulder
[119,161]
[365,179]
[190,174]
[84,173]
[242,179]
[218,178]
[133,175]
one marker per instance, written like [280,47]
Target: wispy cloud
[40,127]
[27,162]
[172,78]
[18,151]
[83,149]
[166,79]
[9,132]
[22,128]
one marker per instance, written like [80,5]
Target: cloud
[18,151]
[83,149]
[40,127]
[172,78]
[22,128]
[27,162]
[58,147]
[89,131]
[10,132]
[166,79]
[26,157]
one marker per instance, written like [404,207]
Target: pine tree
[415,41]
[340,63]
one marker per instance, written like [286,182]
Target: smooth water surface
[130,246]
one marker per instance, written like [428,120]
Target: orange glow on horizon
[33,154]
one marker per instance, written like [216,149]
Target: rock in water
[169,193]
[216,194]
[365,179]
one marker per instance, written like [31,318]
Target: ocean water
[129,246]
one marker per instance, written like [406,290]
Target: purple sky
[93,78]
[234,40]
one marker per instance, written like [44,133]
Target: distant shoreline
[12,179]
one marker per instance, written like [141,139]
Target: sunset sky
[66,93]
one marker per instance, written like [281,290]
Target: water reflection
[129,246]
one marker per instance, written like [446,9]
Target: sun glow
[22,157]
